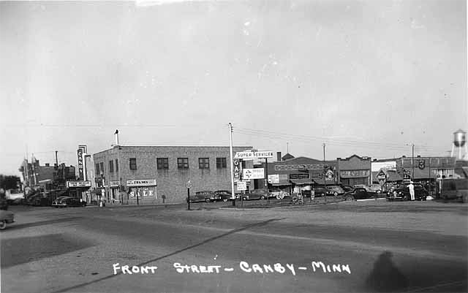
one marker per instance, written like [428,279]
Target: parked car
[6,217]
[402,193]
[357,193]
[223,195]
[347,188]
[206,196]
[257,194]
[320,191]
[67,201]
[335,190]
[376,188]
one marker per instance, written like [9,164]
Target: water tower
[459,142]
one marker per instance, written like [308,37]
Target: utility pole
[324,172]
[412,161]
[231,164]
[56,158]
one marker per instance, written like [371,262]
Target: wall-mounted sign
[422,164]
[257,173]
[274,178]
[354,173]
[299,167]
[329,175]
[114,183]
[299,176]
[147,182]
[253,155]
[78,184]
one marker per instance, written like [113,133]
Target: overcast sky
[364,77]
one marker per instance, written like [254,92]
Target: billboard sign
[148,182]
[257,173]
[273,179]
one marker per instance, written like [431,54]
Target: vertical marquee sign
[80,151]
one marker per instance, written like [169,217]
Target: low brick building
[146,173]
[354,170]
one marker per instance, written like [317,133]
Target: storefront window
[111,166]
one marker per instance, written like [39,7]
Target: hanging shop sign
[80,163]
[257,173]
[78,184]
[147,182]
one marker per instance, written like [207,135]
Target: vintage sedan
[6,217]
[206,196]
[402,193]
[67,201]
[223,195]
[256,194]
[357,193]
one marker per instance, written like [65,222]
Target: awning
[302,181]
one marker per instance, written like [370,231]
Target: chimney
[47,165]
[116,135]
[278,156]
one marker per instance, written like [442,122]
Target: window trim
[130,164]
[162,163]
[183,163]
[204,163]
[221,163]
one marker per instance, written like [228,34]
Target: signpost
[189,184]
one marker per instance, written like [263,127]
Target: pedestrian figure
[411,190]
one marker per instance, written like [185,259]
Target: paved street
[372,246]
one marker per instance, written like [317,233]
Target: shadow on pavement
[27,249]
[419,277]
[173,253]
[41,223]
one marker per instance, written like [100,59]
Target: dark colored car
[6,217]
[347,188]
[320,191]
[256,194]
[402,193]
[357,193]
[206,196]
[223,195]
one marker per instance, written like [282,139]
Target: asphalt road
[373,246]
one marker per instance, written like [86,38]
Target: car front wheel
[3,225]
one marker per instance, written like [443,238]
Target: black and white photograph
[233,146]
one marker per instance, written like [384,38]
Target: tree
[9,182]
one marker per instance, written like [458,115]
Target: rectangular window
[101,169]
[163,163]
[204,163]
[116,165]
[182,163]
[133,164]
[221,163]
[97,169]
[111,166]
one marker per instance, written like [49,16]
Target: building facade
[354,170]
[426,168]
[153,174]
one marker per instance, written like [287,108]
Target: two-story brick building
[146,173]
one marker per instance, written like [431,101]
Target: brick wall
[171,182]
